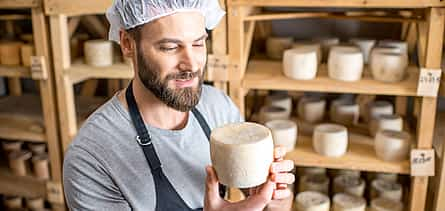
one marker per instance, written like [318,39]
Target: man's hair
[135,33]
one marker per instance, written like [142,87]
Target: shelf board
[265,74]
[335,3]
[15,71]
[21,118]
[16,4]
[360,156]
[81,72]
[25,186]
[71,8]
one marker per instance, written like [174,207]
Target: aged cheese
[241,154]
[280,100]
[365,46]
[377,108]
[344,111]
[269,113]
[300,63]
[392,145]
[389,66]
[312,201]
[353,185]
[314,182]
[345,63]
[310,44]
[98,53]
[284,133]
[347,202]
[386,122]
[311,109]
[386,189]
[330,140]
[383,204]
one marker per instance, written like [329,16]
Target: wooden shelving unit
[438,184]
[247,74]
[31,118]
[68,74]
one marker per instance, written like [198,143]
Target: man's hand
[274,188]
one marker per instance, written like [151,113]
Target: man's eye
[167,49]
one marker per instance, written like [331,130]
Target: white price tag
[422,162]
[38,68]
[429,81]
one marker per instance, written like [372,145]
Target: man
[147,148]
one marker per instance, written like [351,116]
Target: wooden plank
[47,93]
[282,16]
[15,71]
[79,7]
[19,129]
[267,74]
[339,3]
[360,156]
[26,186]
[439,197]
[73,23]
[15,86]
[426,119]
[89,88]
[94,26]
[79,72]
[113,85]
[17,4]
[401,105]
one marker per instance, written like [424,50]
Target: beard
[181,99]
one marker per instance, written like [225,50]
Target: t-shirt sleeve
[87,185]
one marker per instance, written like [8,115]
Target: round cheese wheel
[353,185]
[37,148]
[386,122]
[392,145]
[386,189]
[241,154]
[347,202]
[345,63]
[344,111]
[269,113]
[330,140]
[402,45]
[326,44]
[389,66]
[280,100]
[18,162]
[284,133]
[310,44]
[314,182]
[365,46]
[41,166]
[383,204]
[377,108]
[9,146]
[312,201]
[275,46]
[311,109]
[98,53]
[300,63]
[35,203]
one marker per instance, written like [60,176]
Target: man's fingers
[212,188]
[282,166]
[286,178]
[281,193]
[279,152]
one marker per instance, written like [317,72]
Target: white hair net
[128,14]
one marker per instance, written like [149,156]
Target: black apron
[167,199]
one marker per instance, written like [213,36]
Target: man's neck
[154,112]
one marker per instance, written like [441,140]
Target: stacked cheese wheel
[312,201]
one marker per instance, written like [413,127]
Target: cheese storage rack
[248,74]
[22,112]
[68,74]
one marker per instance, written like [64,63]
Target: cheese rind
[312,201]
[284,133]
[241,154]
[386,189]
[98,53]
[330,140]
[314,182]
[383,204]
[311,109]
[300,63]
[345,63]
[353,185]
[392,145]
[347,202]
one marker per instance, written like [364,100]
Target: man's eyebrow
[176,41]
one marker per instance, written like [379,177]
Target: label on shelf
[422,162]
[429,81]
[38,68]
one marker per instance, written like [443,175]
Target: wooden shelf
[264,74]
[16,4]
[360,156]
[25,186]
[71,8]
[336,3]
[80,72]
[15,71]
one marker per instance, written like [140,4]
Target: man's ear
[127,44]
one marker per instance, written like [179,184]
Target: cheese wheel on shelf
[269,113]
[349,184]
[387,176]
[392,145]
[280,100]
[347,202]
[383,204]
[378,108]
[13,202]
[345,63]
[35,203]
[314,182]
[98,53]
[386,189]
[310,44]
[284,133]
[241,154]
[389,66]
[326,44]
[330,140]
[18,162]
[386,122]
[275,46]
[10,53]
[10,146]
[311,109]
[312,201]
[401,45]
[365,46]
[300,63]
[344,111]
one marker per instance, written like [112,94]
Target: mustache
[185,75]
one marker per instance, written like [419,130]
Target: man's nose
[189,60]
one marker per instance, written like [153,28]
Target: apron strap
[202,122]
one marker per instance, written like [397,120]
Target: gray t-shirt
[105,168]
